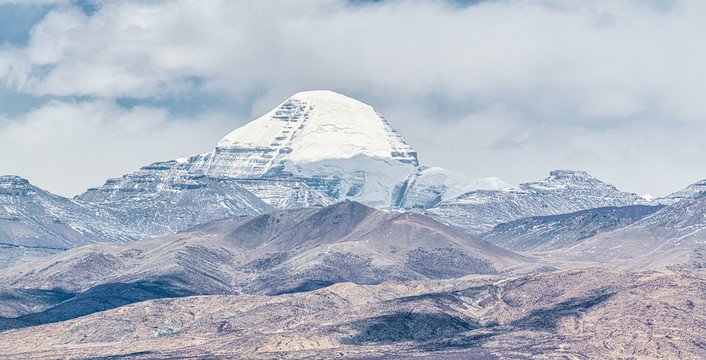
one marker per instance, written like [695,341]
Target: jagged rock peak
[15,185]
[563,178]
[570,175]
[310,126]
[12,180]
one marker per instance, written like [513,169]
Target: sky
[95,89]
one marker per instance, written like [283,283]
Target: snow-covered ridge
[564,191]
[15,185]
[689,192]
[318,125]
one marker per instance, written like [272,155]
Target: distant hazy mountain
[565,230]
[564,191]
[35,223]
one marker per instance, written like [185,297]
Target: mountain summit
[338,146]
[309,127]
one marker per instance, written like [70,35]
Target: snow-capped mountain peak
[310,126]
[338,146]
[317,147]
[564,191]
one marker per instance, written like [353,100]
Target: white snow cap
[318,125]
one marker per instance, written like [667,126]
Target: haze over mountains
[323,191]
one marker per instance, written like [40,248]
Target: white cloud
[33,2]
[150,48]
[53,35]
[67,147]
[537,84]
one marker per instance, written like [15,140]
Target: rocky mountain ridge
[278,252]
[564,191]
[674,236]
[35,223]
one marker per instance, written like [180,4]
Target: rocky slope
[564,191]
[688,192]
[565,230]
[673,236]
[164,198]
[575,314]
[35,223]
[280,252]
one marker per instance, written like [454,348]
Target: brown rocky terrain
[570,314]
[281,252]
[348,281]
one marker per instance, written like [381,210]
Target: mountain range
[314,232]
[316,148]
[280,252]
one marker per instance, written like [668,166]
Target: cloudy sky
[94,89]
